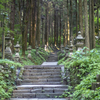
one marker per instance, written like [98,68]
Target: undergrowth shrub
[37,59]
[7,77]
[83,68]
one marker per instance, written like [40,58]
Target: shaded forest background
[49,22]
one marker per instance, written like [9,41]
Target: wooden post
[96,84]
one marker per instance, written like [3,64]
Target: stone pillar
[17,49]
[29,51]
[62,48]
[67,51]
[70,49]
[96,84]
[80,41]
[45,48]
[8,52]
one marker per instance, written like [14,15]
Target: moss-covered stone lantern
[62,48]
[8,52]
[17,49]
[67,51]
[80,41]
[70,49]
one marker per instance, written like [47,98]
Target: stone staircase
[53,57]
[39,82]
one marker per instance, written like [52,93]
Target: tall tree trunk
[93,27]
[34,26]
[91,24]
[71,21]
[12,20]
[98,17]
[60,30]
[76,19]
[80,17]
[87,43]
[38,23]
[46,25]
[55,33]
[26,23]
[68,25]
[57,25]
[31,23]
[22,29]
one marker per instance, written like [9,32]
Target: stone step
[41,83]
[41,86]
[40,90]
[43,80]
[39,99]
[43,67]
[41,73]
[42,76]
[42,70]
[36,95]
[50,63]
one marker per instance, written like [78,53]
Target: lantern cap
[66,48]
[17,55]
[71,44]
[79,37]
[29,48]
[17,45]
[8,37]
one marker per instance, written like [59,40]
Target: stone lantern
[8,52]
[80,41]
[67,51]
[17,49]
[70,49]
[29,51]
[62,48]
[45,48]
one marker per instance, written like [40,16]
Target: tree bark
[98,17]
[38,23]
[80,17]
[71,21]
[76,19]
[87,43]
[91,24]
[93,27]
[34,26]
[46,25]
[31,23]
[23,28]
[55,33]
[60,30]
[12,20]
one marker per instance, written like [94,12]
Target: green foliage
[61,60]
[83,68]
[37,59]
[7,77]
[61,55]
